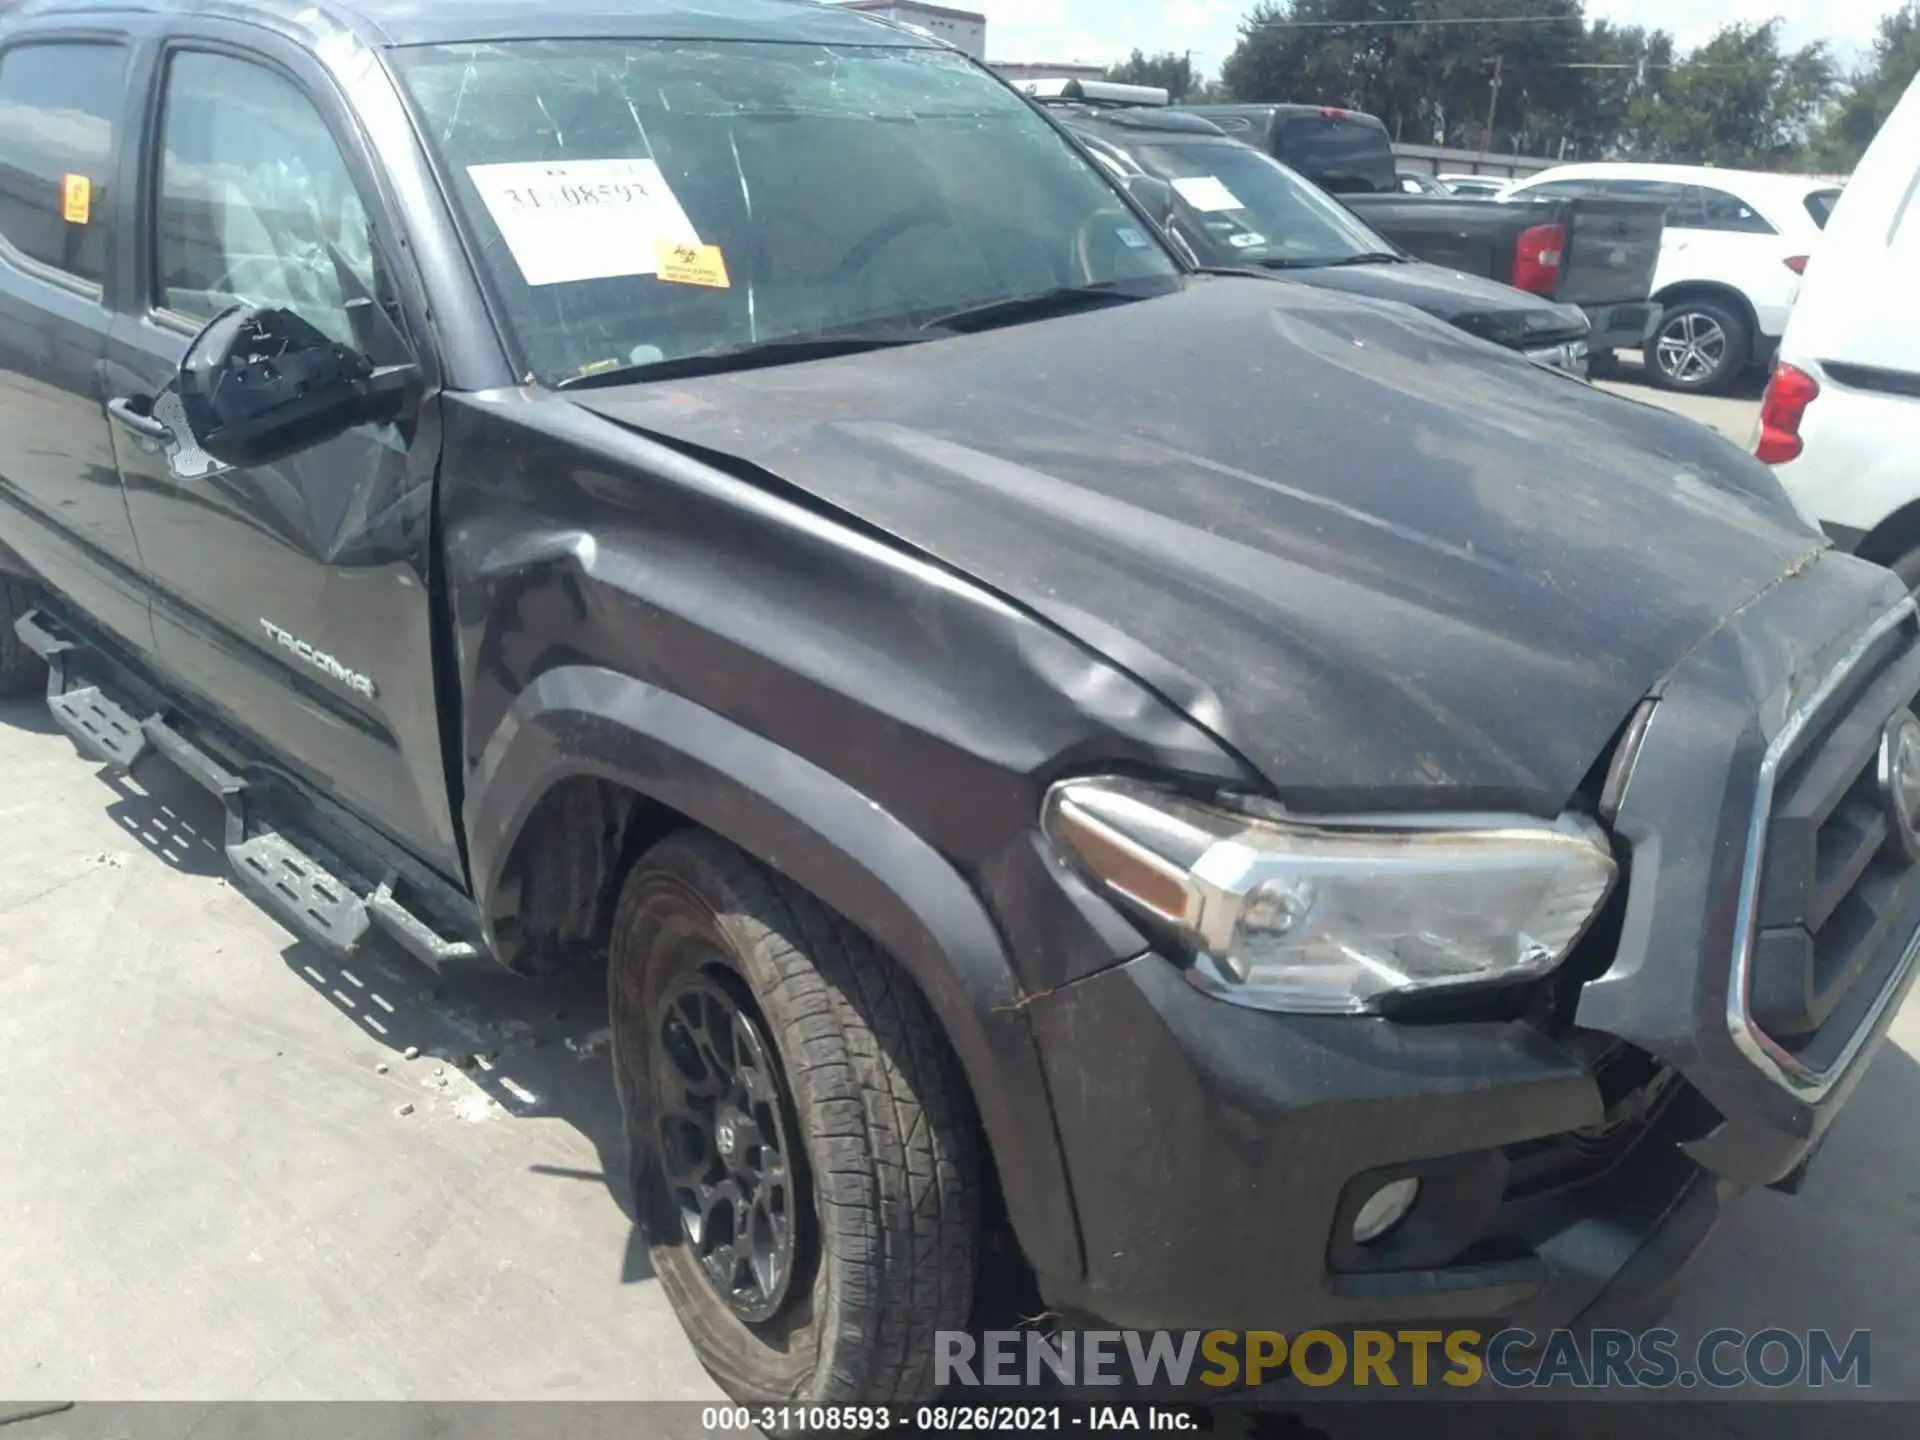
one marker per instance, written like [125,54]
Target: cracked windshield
[639,203]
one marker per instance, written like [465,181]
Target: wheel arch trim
[826,837]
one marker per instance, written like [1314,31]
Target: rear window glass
[1341,155]
[57,103]
[1820,206]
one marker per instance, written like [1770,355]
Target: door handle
[144,426]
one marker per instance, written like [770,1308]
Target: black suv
[1273,811]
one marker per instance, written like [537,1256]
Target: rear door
[1713,237]
[62,94]
[293,599]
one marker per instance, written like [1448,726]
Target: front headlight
[1330,918]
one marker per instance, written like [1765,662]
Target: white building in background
[964,29]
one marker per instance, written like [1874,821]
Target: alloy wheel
[1692,348]
[725,1145]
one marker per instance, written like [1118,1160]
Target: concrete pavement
[212,1184]
[1735,415]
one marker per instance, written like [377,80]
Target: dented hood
[1388,565]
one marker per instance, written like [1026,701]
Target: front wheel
[21,671]
[1699,346]
[802,1146]
[1907,567]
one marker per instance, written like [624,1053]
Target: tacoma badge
[321,661]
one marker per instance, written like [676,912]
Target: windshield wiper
[1372,257]
[756,355]
[1063,300]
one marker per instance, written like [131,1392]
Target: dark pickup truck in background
[1597,254]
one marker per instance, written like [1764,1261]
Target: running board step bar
[306,897]
[104,732]
[101,728]
[271,866]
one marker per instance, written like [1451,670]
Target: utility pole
[1493,102]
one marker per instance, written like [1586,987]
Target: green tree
[1871,93]
[1739,100]
[1298,50]
[1170,71]
[1403,60]
[1622,74]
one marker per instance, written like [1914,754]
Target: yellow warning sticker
[76,199]
[693,265]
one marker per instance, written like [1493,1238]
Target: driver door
[291,600]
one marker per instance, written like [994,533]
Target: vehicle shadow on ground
[28,713]
[531,1049]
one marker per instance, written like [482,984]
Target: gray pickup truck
[1597,254]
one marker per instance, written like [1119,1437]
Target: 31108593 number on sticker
[574,220]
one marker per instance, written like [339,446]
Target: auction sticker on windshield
[569,220]
[1207,192]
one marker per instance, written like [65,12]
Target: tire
[1907,567]
[1699,347]
[21,671]
[882,1195]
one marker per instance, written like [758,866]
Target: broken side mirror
[260,384]
[1153,195]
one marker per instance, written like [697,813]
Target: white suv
[1736,244]
[1843,408]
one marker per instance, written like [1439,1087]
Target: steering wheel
[1110,219]
[888,232]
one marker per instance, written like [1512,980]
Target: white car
[1736,244]
[1842,411]
[1475,187]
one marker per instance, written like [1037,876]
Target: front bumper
[1218,1155]
[1568,355]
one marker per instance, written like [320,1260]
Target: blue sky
[1106,29]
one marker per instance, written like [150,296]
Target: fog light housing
[1385,1208]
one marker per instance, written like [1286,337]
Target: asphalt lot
[222,1178]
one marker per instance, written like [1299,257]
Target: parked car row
[1528,277]
[1732,252]
[1238,805]
[1735,247]
[1234,206]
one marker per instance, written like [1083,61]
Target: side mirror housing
[260,384]
[1153,195]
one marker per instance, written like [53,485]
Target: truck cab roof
[416,22]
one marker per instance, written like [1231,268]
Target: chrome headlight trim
[1272,910]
